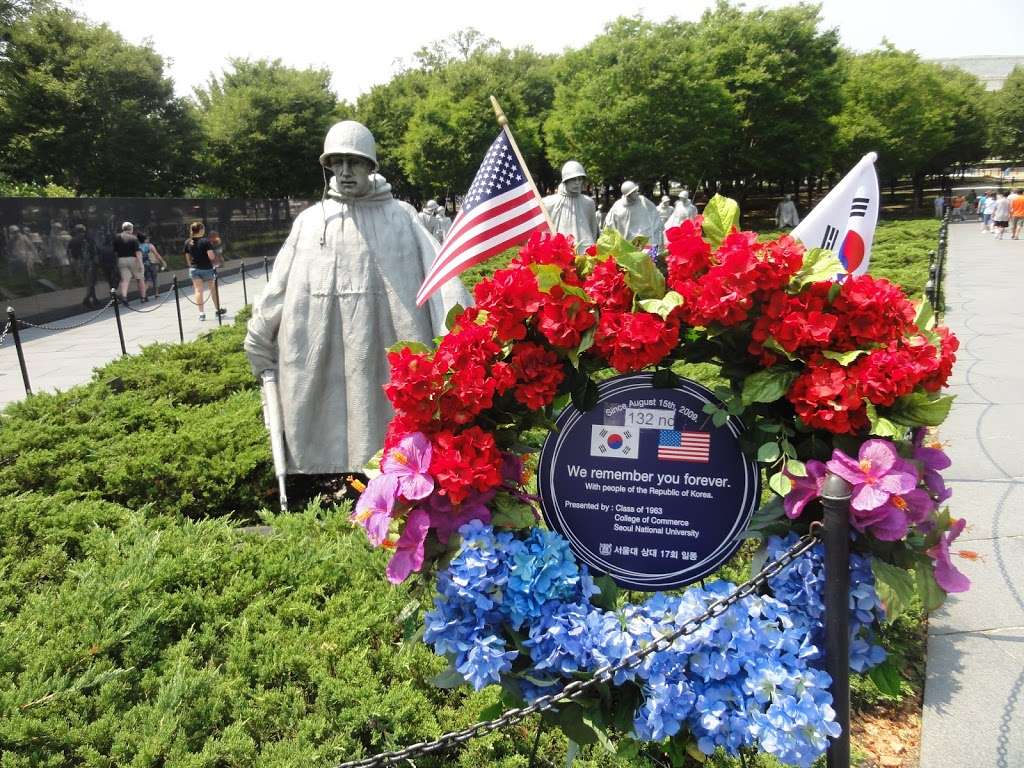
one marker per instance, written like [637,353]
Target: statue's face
[574,186]
[633,196]
[352,174]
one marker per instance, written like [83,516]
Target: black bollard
[177,308]
[266,267]
[835,498]
[117,317]
[216,304]
[245,293]
[13,320]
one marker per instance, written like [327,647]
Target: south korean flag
[844,222]
[614,442]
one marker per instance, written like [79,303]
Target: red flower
[826,398]
[414,385]
[538,373]
[689,255]
[947,357]
[470,391]
[607,286]
[885,374]
[543,248]
[799,324]
[510,298]
[465,462]
[630,341]
[776,262]
[870,311]
[467,345]
[563,318]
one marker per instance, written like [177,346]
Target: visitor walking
[149,271]
[940,206]
[987,211]
[1001,215]
[129,260]
[1016,201]
[81,253]
[201,258]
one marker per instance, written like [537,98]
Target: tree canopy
[1007,118]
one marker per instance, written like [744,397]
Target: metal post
[177,308]
[245,293]
[13,320]
[266,268]
[216,299]
[835,498]
[117,317]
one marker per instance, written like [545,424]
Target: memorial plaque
[644,487]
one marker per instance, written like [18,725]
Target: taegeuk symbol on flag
[614,442]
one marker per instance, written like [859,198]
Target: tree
[84,107]
[783,78]
[637,102]
[917,116]
[1007,118]
[264,126]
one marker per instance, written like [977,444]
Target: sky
[363,43]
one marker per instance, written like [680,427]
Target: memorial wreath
[826,374]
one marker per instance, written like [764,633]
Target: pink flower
[446,519]
[876,474]
[375,507]
[805,489]
[892,520]
[408,555]
[409,461]
[946,574]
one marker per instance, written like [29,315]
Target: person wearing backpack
[201,260]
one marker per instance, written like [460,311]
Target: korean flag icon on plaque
[614,442]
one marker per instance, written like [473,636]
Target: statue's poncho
[637,218]
[574,215]
[684,211]
[328,315]
[786,214]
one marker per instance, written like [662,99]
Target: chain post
[117,317]
[216,299]
[266,268]
[245,293]
[13,320]
[177,307]
[835,498]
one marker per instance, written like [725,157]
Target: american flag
[501,209]
[684,446]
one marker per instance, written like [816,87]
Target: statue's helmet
[666,199]
[573,170]
[431,206]
[80,228]
[628,187]
[684,195]
[349,138]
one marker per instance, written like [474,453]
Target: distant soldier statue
[441,223]
[665,209]
[600,217]
[634,215]
[685,210]
[572,212]
[342,291]
[786,215]
[428,219]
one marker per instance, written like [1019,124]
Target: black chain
[3,336]
[91,319]
[577,688]
[167,295]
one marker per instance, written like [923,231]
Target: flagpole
[503,122]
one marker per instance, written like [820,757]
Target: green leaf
[886,678]
[721,214]
[925,318]
[609,592]
[450,678]
[796,468]
[510,513]
[595,721]
[570,720]
[882,426]
[416,346]
[919,409]
[844,358]
[780,484]
[772,345]
[768,385]
[819,265]
[769,453]
[895,587]
[932,595]
[584,394]
[452,316]
[662,307]
[665,378]
[548,276]
[720,418]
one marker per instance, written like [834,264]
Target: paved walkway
[62,359]
[974,693]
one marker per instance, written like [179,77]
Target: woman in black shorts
[201,260]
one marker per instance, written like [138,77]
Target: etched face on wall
[352,174]
[574,186]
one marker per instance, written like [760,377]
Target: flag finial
[498,113]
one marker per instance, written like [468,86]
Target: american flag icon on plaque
[674,445]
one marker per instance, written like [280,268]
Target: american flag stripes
[684,446]
[501,209]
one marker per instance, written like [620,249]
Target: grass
[142,624]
